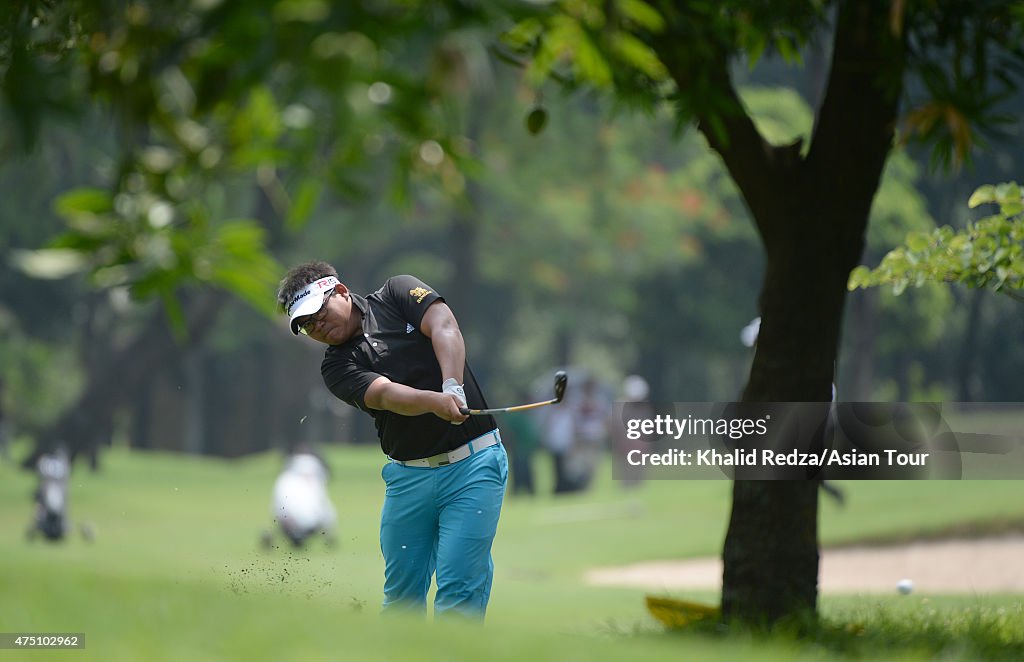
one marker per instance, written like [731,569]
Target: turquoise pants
[442,520]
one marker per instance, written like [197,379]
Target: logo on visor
[295,299]
[419,293]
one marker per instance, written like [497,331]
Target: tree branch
[750,159]
[724,122]
[857,119]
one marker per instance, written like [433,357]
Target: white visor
[309,300]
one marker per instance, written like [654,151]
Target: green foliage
[961,58]
[912,327]
[300,94]
[901,211]
[625,46]
[536,120]
[587,42]
[987,254]
[137,242]
[289,94]
[965,57]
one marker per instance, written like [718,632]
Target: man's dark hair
[300,276]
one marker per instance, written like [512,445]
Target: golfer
[398,355]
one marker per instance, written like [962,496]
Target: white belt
[451,457]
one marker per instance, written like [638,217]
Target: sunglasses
[307,326]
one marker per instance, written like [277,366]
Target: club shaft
[506,410]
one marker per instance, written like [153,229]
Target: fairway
[176,571]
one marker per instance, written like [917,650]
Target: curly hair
[300,276]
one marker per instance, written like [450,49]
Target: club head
[561,379]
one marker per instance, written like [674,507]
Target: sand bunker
[992,565]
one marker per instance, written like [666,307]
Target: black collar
[360,303]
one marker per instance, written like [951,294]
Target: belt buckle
[439,460]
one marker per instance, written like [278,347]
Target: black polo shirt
[391,345]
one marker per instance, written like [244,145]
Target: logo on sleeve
[419,293]
[409,328]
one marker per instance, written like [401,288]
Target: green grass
[176,572]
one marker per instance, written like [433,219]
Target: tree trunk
[463,293]
[811,212]
[194,434]
[771,552]
[966,392]
[771,547]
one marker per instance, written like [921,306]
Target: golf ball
[904,586]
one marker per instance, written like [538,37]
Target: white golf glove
[452,387]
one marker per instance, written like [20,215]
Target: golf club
[561,379]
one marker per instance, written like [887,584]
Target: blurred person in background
[557,436]
[591,412]
[521,439]
[635,405]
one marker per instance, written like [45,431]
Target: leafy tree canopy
[960,59]
[293,94]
